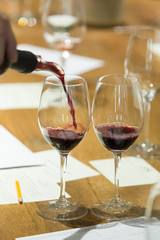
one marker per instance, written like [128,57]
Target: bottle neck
[26,63]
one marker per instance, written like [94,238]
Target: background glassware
[117,116]
[64,23]
[56,124]
[143,60]
[153,214]
[24,12]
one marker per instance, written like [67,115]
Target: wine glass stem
[117,159]
[62,175]
[147,107]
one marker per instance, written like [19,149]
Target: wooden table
[103,43]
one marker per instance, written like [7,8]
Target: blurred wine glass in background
[64,23]
[143,60]
[22,12]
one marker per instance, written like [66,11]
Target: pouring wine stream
[59,72]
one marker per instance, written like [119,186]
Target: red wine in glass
[117,137]
[57,128]
[117,116]
[63,140]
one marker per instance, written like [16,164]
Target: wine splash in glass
[63,134]
[117,116]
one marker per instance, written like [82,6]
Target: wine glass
[64,23]
[153,214]
[117,116]
[143,60]
[64,119]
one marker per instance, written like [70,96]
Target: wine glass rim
[122,76]
[75,77]
[141,31]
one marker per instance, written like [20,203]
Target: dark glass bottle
[28,62]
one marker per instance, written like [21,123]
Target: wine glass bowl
[143,60]
[64,25]
[117,116]
[64,119]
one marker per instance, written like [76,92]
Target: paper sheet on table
[35,185]
[17,162]
[40,183]
[75,64]
[38,173]
[133,171]
[13,153]
[75,168]
[108,231]
[20,95]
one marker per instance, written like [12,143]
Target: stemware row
[64,118]
[117,111]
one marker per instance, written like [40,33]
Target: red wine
[28,62]
[63,140]
[55,68]
[116,136]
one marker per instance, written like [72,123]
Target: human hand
[7,40]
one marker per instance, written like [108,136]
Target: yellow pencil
[19,194]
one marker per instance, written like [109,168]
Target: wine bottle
[28,62]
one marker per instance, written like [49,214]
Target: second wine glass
[64,23]
[64,119]
[117,116]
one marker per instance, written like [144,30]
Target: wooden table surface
[103,43]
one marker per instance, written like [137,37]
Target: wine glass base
[116,210]
[67,211]
[144,150]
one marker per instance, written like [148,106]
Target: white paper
[35,185]
[38,173]
[17,162]
[133,171]
[39,183]
[107,231]
[20,95]
[13,153]
[75,169]
[75,64]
